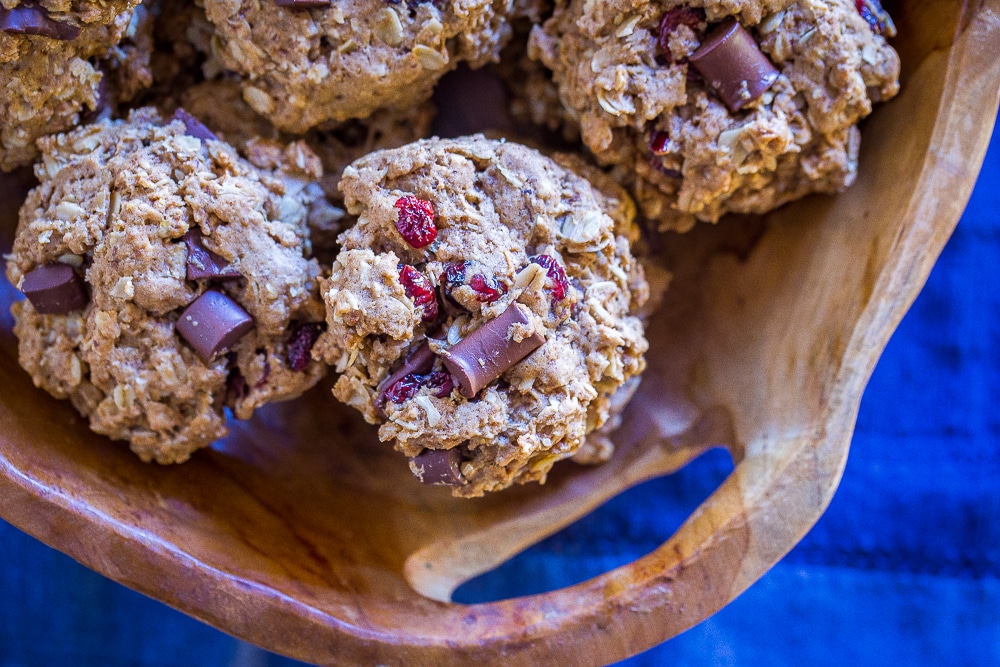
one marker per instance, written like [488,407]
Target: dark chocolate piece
[54,289]
[420,360]
[438,466]
[192,126]
[202,263]
[32,20]
[212,323]
[734,65]
[303,4]
[489,351]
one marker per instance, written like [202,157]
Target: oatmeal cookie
[53,72]
[716,106]
[218,102]
[166,279]
[481,310]
[306,62]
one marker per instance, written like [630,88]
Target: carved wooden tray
[300,533]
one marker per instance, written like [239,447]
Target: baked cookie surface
[60,16]
[54,74]
[481,308]
[655,89]
[305,63]
[167,279]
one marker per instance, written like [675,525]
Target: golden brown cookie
[166,279]
[482,309]
[716,106]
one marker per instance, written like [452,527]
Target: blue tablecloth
[904,567]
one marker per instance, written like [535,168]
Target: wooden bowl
[302,534]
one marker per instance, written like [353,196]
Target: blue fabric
[903,568]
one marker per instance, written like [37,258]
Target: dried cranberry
[416,221]
[301,343]
[442,381]
[454,274]
[658,142]
[487,290]
[674,18]
[419,288]
[405,388]
[876,17]
[556,273]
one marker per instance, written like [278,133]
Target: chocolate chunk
[192,126]
[54,289]
[303,4]
[734,65]
[202,263]
[489,351]
[212,323]
[32,20]
[438,466]
[420,360]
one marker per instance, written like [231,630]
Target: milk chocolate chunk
[202,263]
[438,466]
[489,351]
[734,65]
[54,289]
[31,20]
[192,126]
[302,4]
[212,323]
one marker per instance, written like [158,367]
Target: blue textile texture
[903,568]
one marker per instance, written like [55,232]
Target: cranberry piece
[416,221]
[405,388]
[487,290]
[675,18]
[442,381]
[556,273]
[454,274]
[301,343]
[419,288]
[658,142]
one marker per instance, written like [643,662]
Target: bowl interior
[301,533]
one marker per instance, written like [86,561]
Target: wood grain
[301,533]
